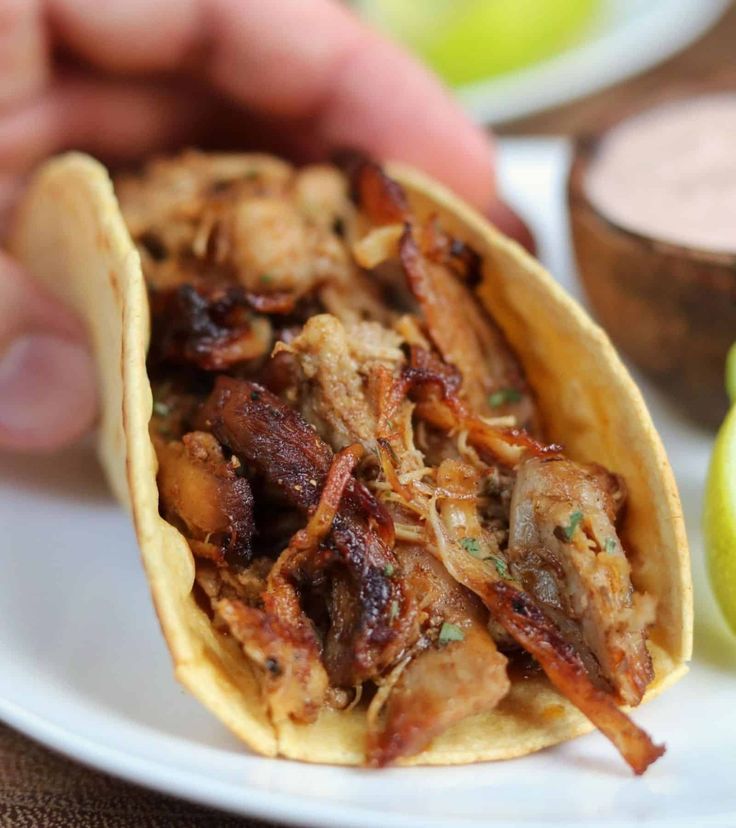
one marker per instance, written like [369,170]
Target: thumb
[47,379]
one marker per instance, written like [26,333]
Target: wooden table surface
[41,788]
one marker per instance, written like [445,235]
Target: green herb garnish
[471,546]
[265,278]
[388,570]
[572,527]
[501,565]
[504,396]
[610,546]
[450,632]
[161,408]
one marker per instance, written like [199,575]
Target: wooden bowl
[671,309]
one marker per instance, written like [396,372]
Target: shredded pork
[354,454]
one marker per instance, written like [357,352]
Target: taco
[397,499]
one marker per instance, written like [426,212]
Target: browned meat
[172,209]
[520,615]
[466,337]
[565,551]
[564,668]
[209,327]
[336,364]
[381,198]
[370,613]
[458,674]
[442,248]
[263,431]
[442,527]
[203,493]
[272,246]
[293,679]
[259,223]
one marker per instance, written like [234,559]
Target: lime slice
[719,517]
[468,40]
[731,373]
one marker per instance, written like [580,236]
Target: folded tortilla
[71,235]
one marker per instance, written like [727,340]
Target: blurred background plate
[509,58]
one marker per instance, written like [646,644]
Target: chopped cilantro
[450,632]
[572,527]
[501,565]
[161,408]
[388,570]
[610,546]
[393,611]
[471,546]
[265,278]
[504,396]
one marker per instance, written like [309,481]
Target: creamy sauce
[670,173]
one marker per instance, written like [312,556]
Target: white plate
[626,37]
[84,669]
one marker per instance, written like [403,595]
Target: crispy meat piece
[370,613]
[565,551]
[441,682]
[281,638]
[564,668]
[282,648]
[442,248]
[272,247]
[496,444]
[493,382]
[336,365]
[331,395]
[520,615]
[447,681]
[209,327]
[435,385]
[262,224]
[263,431]
[294,680]
[381,198]
[172,208]
[203,493]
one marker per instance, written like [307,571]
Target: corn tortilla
[71,235]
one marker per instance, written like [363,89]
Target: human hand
[123,80]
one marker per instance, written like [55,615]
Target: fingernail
[47,392]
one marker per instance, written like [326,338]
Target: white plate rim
[618,52]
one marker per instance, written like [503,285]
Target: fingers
[129,35]
[387,105]
[113,119]
[24,65]
[315,63]
[310,64]
[47,381]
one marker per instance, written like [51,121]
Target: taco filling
[353,453]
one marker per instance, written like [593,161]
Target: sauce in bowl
[670,173]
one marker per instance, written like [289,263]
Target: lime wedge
[719,517]
[731,373]
[469,40]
